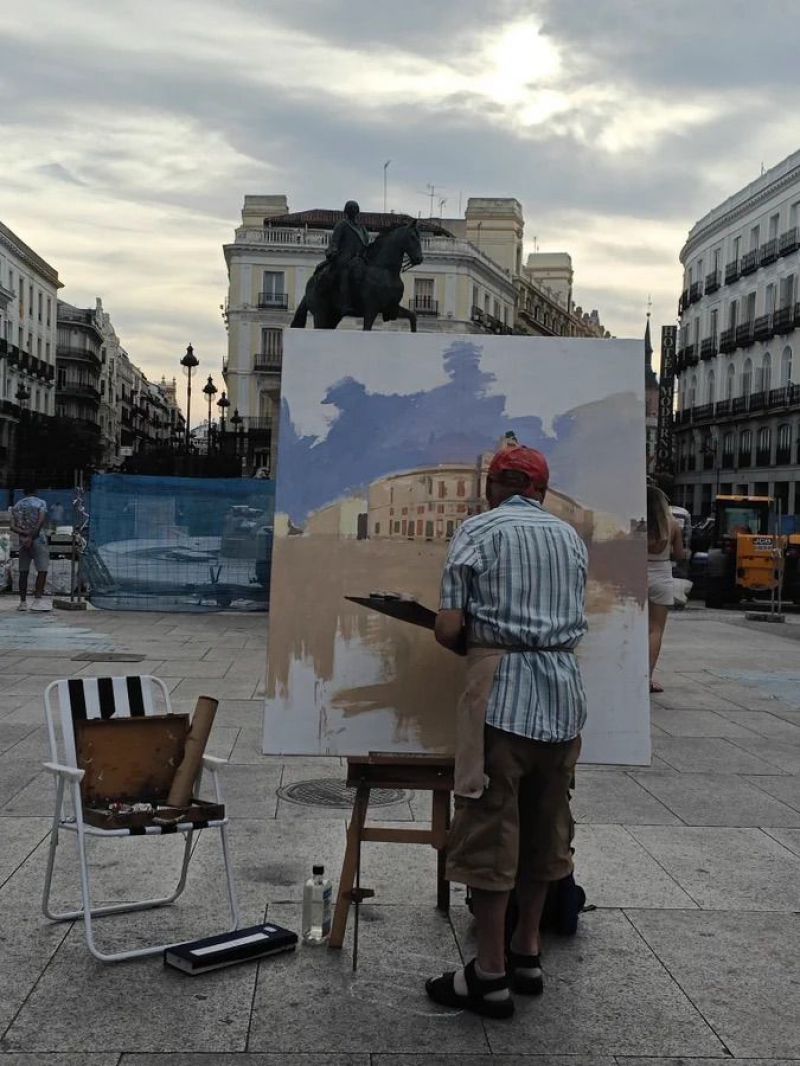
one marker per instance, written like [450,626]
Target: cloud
[132,131]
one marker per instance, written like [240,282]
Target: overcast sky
[131,130]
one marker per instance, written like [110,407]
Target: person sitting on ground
[664,543]
[28,520]
[513,594]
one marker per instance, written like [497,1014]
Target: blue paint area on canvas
[374,434]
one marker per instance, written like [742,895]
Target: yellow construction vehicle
[745,559]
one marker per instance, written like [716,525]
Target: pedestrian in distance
[28,521]
[664,544]
[513,601]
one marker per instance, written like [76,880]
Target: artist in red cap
[513,595]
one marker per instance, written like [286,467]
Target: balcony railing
[731,271]
[712,281]
[758,401]
[783,320]
[82,354]
[744,335]
[723,407]
[750,262]
[739,404]
[424,305]
[695,291]
[683,301]
[763,328]
[690,355]
[277,300]
[702,412]
[268,362]
[727,340]
[262,425]
[85,392]
[789,241]
[708,347]
[768,252]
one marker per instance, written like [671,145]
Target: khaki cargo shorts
[38,553]
[521,828]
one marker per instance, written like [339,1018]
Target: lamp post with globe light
[223,403]
[189,363]
[236,422]
[210,391]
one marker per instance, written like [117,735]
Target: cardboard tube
[180,793]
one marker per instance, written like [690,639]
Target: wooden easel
[427,773]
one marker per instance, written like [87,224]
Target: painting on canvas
[385,439]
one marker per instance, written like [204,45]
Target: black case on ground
[225,949]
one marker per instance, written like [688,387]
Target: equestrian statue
[359,278]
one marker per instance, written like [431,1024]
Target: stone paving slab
[697,723]
[782,757]
[790,838]
[710,755]
[35,1058]
[247,1059]
[786,789]
[740,970]
[11,733]
[19,838]
[616,871]
[606,797]
[726,869]
[764,724]
[720,799]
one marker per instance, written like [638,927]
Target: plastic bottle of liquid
[317,907]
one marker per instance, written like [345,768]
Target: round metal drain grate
[331,792]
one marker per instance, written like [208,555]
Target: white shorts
[660,586]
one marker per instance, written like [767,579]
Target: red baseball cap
[525,460]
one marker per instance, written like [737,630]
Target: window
[442,490]
[769,299]
[750,308]
[713,320]
[272,343]
[475,296]
[737,247]
[47,351]
[766,372]
[693,391]
[745,447]
[39,306]
[764,446]
[38,347]
[786,366]
[717,258]
[754,238]
[773,226]
[423,294]
[48,310]
[727,449]
[710,387]
[784,443]
[497,309]
[487,303]
[747,378]
[696,339]
[461,488]
[732,315]
[30,301]
[272,289]
[787,290]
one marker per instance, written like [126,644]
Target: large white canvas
[375,423]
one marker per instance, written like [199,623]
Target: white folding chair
[112,697]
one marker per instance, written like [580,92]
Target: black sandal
[527,984]
[442,990]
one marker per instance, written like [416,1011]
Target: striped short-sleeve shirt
[519,574]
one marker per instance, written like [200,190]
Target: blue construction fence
[179,544]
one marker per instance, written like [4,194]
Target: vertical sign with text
[666,386]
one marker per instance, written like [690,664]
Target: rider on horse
[347,246]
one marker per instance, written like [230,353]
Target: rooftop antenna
[535,243]
[430,193]
[460,195]
[649,304]
[442,202]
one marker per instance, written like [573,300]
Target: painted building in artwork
[430,503]
[344,518]
[473,280]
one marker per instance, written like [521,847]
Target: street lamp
[236,421]
[210,391]
[189,362]
[223,403]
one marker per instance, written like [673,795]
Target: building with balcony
[79,364]
[28,296]
[472,280]
[737,420]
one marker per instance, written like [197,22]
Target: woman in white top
[664,543]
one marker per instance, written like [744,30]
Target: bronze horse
[374,281]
